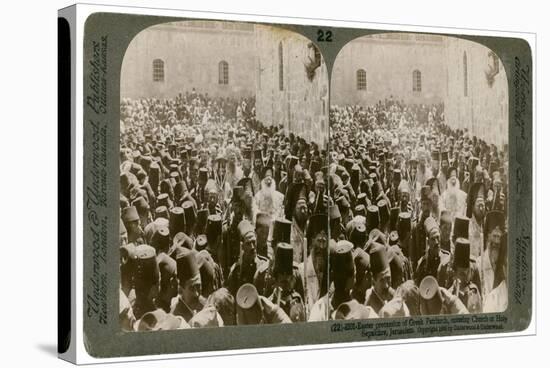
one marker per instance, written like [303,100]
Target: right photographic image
[418,178]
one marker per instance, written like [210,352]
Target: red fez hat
[177,221]
[378,258]
[462,253]
[460,227]
[187,265]
[129,214]
[341,259]
[283,259]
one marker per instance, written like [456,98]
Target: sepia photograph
[418,178]
[223,177]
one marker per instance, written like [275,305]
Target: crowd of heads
[225,220]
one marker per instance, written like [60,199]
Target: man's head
[434,236]
[380,268]
[248,241]
[189,277]
[494,233]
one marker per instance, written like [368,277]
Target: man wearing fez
[381,291]
[255,309]
[250,267]
[131,220]
[339,304]
[434,258]
[189,300]
[213,203]
[146,280]
[198,192]
[284,293]
[314,270]
[392,193]
[462,285]
[493,264]
[476,212]
[363,276]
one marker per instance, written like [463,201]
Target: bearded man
[454,199]
[269,200]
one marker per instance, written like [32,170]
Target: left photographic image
[223,177]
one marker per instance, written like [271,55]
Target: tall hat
[462,253]
[203,175]
[237,193]
[161,239]
[494,219]
[245,227]
[384,212]
[477,191]
[213,228]
[341,259]
[248,305]
[397,266]
[182,240]
[373,218]
[205,263]
[163,199]
[362,199]
[394,216]
[141,205]
[430,224]
[188,267]
[179,191]
[356,232]
[435,155]
[361,260]
[129,214]
[281,231]
[445,156]
[283,259]
[161,212]
[202,219]
[146,267]
[431,300]
[190,216]
[360,210]
[460,227]
[317,222]
[177,221]
[378,258]
[295,192]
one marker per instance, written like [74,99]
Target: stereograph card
[252,183]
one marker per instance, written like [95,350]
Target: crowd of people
[227,221]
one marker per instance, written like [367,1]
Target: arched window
[361,77]
[281,85]
[223,72]
[465,67]
[417,81]
[158,70]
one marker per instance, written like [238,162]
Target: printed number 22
[324,36]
